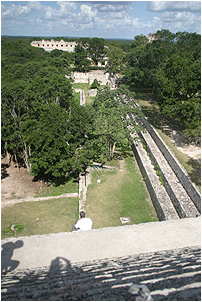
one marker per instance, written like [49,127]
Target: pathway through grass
[120,194]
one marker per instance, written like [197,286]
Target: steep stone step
[177,195]
[159,196]
[169,275]
[175,165]
[181,200]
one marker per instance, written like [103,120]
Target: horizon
[69,37]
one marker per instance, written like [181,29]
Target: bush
[95,84]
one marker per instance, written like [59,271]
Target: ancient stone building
[51,45]
[151,37]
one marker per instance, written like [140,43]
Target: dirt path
[17,183]
[178,139]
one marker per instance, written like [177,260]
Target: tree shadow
[195,174]
[7,264]
[56,181]
[4,172]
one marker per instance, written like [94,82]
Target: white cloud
[15,10]
[27,9]
[67,6]
[179,16]
[112,6]
[65,9]
[181,21]
[116,15]
[159,6]
[98,18]
[87,12]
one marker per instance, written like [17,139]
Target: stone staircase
[169,275]
[171,191]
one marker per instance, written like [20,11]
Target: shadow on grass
[155,116]
[56,182]
[196,170]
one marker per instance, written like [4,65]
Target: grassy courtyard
[121,193]
[39,217]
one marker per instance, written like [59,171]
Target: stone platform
[102,264]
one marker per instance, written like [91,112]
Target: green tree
[115,60]
[95,84]
[81,62]
[139,41]
[178,92]
[96,49]
[109,128]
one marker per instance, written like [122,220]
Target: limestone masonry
[52,45]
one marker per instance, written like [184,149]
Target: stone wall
[52,45]
[180,174]
[88,77]
[167,186]
[155,200]
[167,191]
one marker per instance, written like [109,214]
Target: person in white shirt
[83,224]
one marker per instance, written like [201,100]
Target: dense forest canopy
[45,128]
[170,66]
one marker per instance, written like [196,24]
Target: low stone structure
[151,37]
[84,181]
[82,96]
[50,45]
[103,77]
[92,92]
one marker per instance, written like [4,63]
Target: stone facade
[151,37]
[52,45]
[103,77]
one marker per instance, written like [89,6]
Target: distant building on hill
[151,37]
[52,45]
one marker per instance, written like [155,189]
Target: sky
[102,19]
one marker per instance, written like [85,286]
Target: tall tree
[96,49]
[110,110]
[81,62]
[115,60]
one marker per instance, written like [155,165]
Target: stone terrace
[169,275]
[102,264]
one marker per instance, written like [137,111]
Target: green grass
[77,96]
[120,194]
[85,87]
[40,217]
[81,85]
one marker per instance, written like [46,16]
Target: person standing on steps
[83,224]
